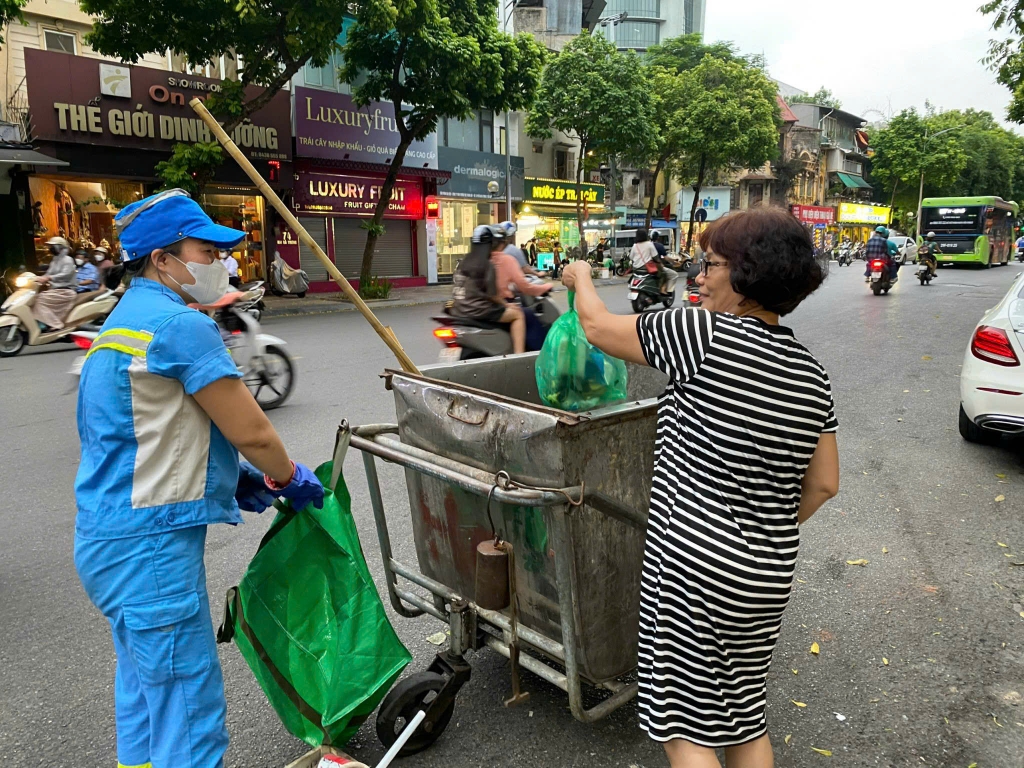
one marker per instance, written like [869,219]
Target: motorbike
[844,256]
[645,291]
[19,327]
[881,277]
[1020,253]
[623,266]
[465,338]
[251,299]
[924,273]
[285,280]
[266,367]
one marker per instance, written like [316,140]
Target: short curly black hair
[771,257]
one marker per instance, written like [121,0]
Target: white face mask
[79,262]
[211,281]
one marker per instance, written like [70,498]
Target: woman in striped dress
[745,452]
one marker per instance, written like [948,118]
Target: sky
[882,55]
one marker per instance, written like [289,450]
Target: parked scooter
[645,291]
[285,280]
[19,327]
[465,338]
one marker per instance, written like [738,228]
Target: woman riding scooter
[52,305]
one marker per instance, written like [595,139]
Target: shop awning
[555,212]
[853,182]
[25,156]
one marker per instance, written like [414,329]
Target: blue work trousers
[168,690]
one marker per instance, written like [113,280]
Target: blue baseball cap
[166,218]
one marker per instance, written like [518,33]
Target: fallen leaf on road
[1000,497]
[996,721]
[973,765]
[930,588]
[874,701]
[840,718]
[885,661]
[825,752]
[899,419]
[1000,475]
[1001,544]
[926,357]
[796,671]
[799,703]
[801,581]
[885,550]
[437,638]
[788,737]
[861,561]
[815,649]
[1022,614]
[906,391]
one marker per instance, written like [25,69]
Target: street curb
[386,304]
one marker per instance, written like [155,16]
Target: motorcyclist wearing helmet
[926,254]
[514,250]
[86,272]
[52,306]
[101,257]
[476,291]
[880,247]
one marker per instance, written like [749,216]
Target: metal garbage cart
[568,492]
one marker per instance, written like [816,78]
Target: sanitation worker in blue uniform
[162,416]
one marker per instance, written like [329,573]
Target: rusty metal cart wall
[577,567]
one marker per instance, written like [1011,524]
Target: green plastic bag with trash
[574,375]
[307,619]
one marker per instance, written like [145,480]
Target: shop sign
[344,195]
[557,191]
[330,125]
[814,214]
[855,213]
[473,171]
[79,100]
[715,201]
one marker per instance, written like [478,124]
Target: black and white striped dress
[737,426]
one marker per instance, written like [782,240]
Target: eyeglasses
[705,266]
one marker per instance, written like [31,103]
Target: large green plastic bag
[308,621]
[573,374]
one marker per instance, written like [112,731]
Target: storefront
[818,219]
[857,221]
[342,156]
[549,213]
[474,195]
[112,124]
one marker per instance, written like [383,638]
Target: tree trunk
[579,200]
[366,268]
[696,198]
[892,200]
[654,191]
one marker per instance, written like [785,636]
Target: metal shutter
[392,256]
[317,228]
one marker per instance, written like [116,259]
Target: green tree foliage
[1006,55]
[678,54]
[822,97]
[909,146]
[433,59]
[731,119]
[10,10]
[600,97]
[190,167]
[274,38]
[666,62]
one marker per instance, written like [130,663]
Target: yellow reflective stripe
[122,340]
[119,347]
[144,765]
[141,335]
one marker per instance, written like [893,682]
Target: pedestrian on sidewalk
[162,416]
[556,253]
[746,452]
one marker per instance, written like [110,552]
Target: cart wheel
[402,703]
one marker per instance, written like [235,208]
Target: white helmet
[59,243]
[509,227]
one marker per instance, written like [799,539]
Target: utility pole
[615,212]
[509,7]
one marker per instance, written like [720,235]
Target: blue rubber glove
[252,493]
[304,488]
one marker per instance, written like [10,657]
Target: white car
[907,246]
[992,378]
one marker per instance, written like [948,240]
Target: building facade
[638,24]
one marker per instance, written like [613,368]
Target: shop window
[64,42]
[475,133]
[486,130]
[242,209]
[502,138]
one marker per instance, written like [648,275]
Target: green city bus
[970,230]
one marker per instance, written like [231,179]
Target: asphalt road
[940,599]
